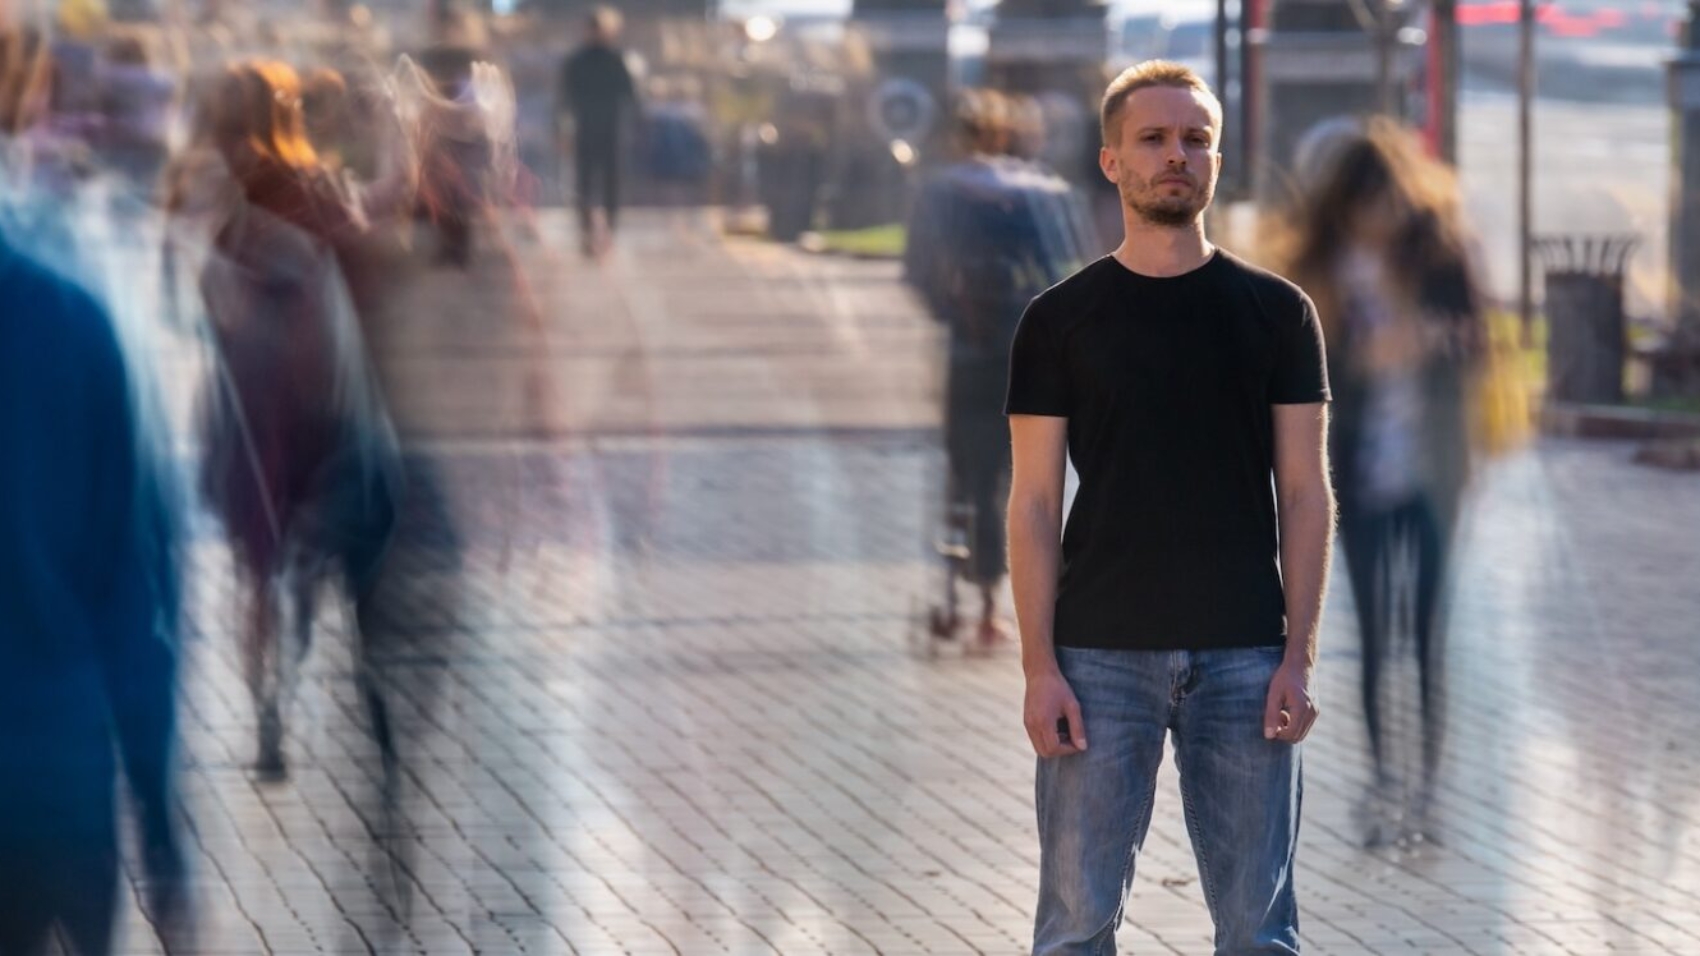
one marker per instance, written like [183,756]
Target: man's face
[1166,162]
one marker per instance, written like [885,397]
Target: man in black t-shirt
[597,92]
[1189,388]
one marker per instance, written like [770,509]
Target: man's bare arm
[1305,509]
[1039,447]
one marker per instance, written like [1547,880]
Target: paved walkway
[662,697]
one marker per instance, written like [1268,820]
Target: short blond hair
[1143,76]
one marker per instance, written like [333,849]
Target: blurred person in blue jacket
[989,232]
[135,105]
[89,603]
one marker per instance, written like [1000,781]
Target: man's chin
[1169,215]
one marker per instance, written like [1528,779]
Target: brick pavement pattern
[658,692]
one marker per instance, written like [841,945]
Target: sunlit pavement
[666,696]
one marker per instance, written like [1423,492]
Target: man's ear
[1108,164]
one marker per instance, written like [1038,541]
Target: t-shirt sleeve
[1301,364]
[1038,376]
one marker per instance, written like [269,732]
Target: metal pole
[1679,372]
[1222,49]
[1445,39]
[1525,164]
[1384,57]
[1230,186]
[1251,24]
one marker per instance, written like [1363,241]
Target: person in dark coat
[597,93]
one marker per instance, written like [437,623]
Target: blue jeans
[1240,793]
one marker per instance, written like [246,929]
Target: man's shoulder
[34,288]
[1271,289]
[583,57]
[1078,294]
[55,315]
[599,56]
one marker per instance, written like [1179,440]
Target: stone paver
[664,696]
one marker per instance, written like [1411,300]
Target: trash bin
[792,159]
[791,176]
[1586,333]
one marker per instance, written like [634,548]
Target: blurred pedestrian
[455,150]
[353,124]
[675,139]
[1188,389]
[88,626]
[1380,242]
[597,94]
[989,232]
[297,462]
[135,100]
[327,115]
[44,155]
[1027,134]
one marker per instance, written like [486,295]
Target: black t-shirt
[1167,385]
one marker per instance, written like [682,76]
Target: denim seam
[1199,843]
[1127,868]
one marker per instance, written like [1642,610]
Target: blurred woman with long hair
[1380,245]
[295,462]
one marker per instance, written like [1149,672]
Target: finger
[1048,737]
[1304,732]
[1274,715]
[1299,726]
[1061,734]
[1312,713]
[1294,731]
[1076,724]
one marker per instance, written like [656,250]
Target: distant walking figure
[597,95]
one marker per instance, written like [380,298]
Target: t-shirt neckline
[1211,260]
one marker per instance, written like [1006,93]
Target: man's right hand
[1049,701]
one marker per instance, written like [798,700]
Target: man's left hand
[1290,711]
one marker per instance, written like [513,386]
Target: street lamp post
[1525,167]
[1676,372]
[1443,38]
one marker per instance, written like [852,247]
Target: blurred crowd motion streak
[1380,245]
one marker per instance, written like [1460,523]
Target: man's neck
[1159,251]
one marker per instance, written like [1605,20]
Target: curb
[1616,421]
[815,245]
